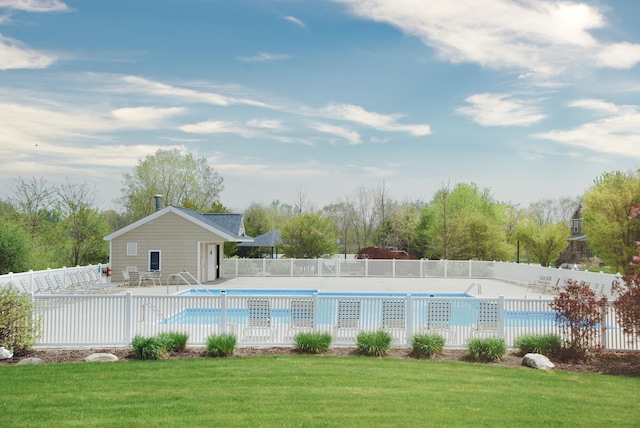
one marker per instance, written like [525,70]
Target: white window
[132,248]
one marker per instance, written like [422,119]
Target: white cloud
[265,123]
[217,127]
[34,5]
[145,117]
[617,134]
[14,55]
[264,57]
[295,21]
[349,135]
[381,122]
[500,110]
[141,85]
[543,37]
[619,55]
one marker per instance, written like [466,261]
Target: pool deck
[488,287]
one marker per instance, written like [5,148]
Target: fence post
[445,268]
[319,268]
[237,265]
[128,318]
[223,311]
[393,268]
[470,268]
[366,268]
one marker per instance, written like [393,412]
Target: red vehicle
[383,253]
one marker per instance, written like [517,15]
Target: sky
[532,99]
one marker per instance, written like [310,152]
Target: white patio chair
[259,323]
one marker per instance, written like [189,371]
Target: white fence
[79,279]
[272,320]
[76,309]
[516,273]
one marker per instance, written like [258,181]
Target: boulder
[5,354]
[537,361]
[29,361]
[101,357]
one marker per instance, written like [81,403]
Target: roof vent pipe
[158,202]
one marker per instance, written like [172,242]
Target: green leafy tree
[308,235]
[81,231]
[343,217]
[464,223]
[611,234]
[544,242]
[15,245]
[400,227]
[180,178]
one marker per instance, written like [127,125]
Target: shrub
[374,344]
[312,343]
[579,315]
[627,304]
[148,348]
[545,344]
[173,341]
[19,329]
[221,345]
[487,349]
[427,345]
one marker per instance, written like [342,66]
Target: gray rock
[5,354]
[29,361]
[537,361]
[101,357]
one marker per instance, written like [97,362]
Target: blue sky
[533,99]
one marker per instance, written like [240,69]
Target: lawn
[310,391]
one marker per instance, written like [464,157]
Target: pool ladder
[474,284]
[154,308]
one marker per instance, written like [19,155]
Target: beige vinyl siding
[176,238]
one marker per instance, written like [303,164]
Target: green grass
[310,391]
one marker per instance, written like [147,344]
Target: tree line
[52,226]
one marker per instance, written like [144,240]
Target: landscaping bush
[312,343]
[545,344]
[148,348]
[221,345]
[487,349]
[427,345]
[19,330]
[579,315]
[173,341]
[374,344]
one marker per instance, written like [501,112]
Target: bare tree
[34,200]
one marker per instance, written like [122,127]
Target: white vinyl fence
[268,320]
[516,273]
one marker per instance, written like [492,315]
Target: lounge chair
[487,323]
[348,322]
[302,317]
[259,324]
[439,318]
[394,319]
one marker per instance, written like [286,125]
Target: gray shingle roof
[229,223]
[269,239]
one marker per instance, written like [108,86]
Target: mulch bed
[608,363]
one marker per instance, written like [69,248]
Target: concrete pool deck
[488,287]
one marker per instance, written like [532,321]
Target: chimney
[158,202]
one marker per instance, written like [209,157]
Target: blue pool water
[460,315]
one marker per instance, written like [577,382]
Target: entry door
[212,262]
